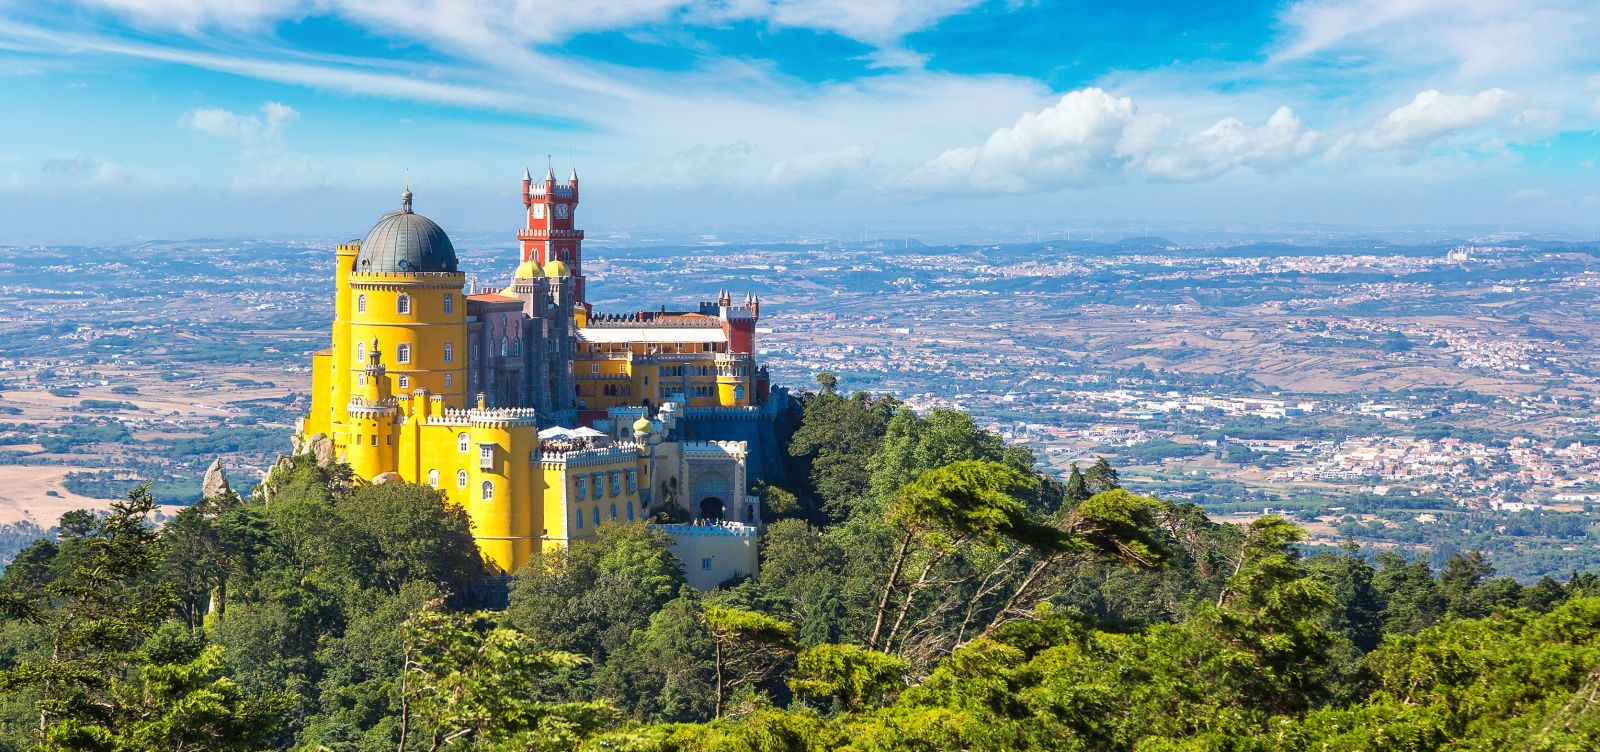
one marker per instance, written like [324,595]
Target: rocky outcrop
[215,485]
[389,477]
[321,447]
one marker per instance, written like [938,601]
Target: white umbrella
[554,432]
[587,433]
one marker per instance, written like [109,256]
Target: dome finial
[405,200]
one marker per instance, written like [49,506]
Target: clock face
[538,211]
[562,211]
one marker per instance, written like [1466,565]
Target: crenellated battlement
[488,416]
[724,529]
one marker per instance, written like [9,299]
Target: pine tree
[1077,487]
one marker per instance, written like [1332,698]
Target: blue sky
[182,118]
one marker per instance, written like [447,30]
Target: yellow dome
[528,270]
[556,269]
[642,425]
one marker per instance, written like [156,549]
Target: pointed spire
[549,170]
[526,175]
[574,177]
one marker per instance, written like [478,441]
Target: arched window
[449,352]
[505,347]
[488,490]
[516,347]
[402,353]
[613,511]
[596,511]
[403,303]
[461,479]
[449,380]
[433,478]
[579,515]
[405,382]
[738,392]
[449,302]
[361,352]
[630,511]
[463,443]
[361,303]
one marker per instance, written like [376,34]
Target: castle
[539,416]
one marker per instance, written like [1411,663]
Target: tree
[591,597]
[940,511]
[748,645]
[836,438]
[469,685]
[408,532]
[1101,477]
[1077,487]
[853,675]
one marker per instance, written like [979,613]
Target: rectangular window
[583,489]
[633,481]
[594,368]
[403,304]
[705,564]
[449,302]
[405,382]
[485,456]
[403,354]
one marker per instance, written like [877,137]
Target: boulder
[215,485]
[389,477]
[321,447]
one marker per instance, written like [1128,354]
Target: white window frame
[402,353]
[402,304]
[449,352]
[449,302]
[361,353]
[461,479]
[463,442]
[405,381]
[486,492]
[433,478]
[361,303]
[449,380]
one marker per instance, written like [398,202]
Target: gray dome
[405,242]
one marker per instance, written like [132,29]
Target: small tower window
[485,456]
[613,511]
[461,479]
[449,302]
[403,303]
[361,303]
[583,489]
[449,352]
[402,353]
[596,515]
[405,382]
[705,564]
[488,490]
[361,379]
[449,380]
[630,511]
[505,348]
[462,443]
[579,515]
[361,352]
[433,478]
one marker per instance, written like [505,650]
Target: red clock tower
[551,233]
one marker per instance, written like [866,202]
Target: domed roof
[528,270]
[556,269]
[405,242]
[643,425]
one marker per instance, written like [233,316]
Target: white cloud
[87,169]
[1431,114]
[1278,144]
[250,130]
[825,172]
[1090,138]
[1528,196]
[191,15]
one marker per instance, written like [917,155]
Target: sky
[136,119]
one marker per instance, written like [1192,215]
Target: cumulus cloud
[266,161]
[250,130]
[1090,137]
[1431,114]
[189,15]
[71,165]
